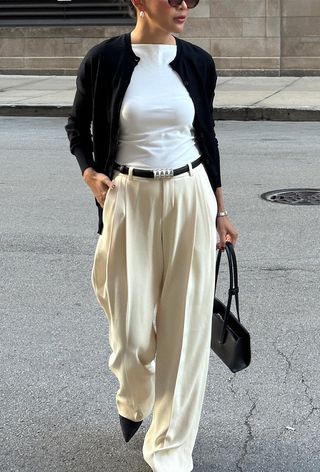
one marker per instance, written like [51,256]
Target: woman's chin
[177,28]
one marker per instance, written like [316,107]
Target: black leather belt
[157,173]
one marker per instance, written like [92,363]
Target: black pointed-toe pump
[129,427]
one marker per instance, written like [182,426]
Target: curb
[220,113]
[264,113]
[35,110]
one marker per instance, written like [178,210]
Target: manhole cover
[294,196]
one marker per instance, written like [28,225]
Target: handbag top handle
[233,279]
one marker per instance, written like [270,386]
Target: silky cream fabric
[153,274]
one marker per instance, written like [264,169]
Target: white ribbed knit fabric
[157,113]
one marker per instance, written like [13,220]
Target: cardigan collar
[127,39]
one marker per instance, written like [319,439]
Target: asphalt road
[57,395]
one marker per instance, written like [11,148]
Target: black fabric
[102,80]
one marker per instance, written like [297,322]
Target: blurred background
[246,37]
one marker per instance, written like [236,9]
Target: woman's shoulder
[107,46]
[200,57]
[195,51]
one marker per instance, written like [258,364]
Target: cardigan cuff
[218,182]
[84,159]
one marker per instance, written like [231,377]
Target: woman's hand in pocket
[99,184]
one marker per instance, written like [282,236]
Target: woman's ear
[132,9]
[137,3]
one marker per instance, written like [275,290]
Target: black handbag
[229,338]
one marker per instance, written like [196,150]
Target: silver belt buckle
[162,173]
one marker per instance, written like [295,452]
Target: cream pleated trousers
[153,274]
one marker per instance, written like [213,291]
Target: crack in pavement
[249,437]
[281,89]
[310,399]
[288,369]
[287,359]
[306,387]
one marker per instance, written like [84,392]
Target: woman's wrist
[222,213]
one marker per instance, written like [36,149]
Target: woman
[148,95]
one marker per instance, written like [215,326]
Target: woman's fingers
[106,185]
[227,233]
[100,184]
[232,238]
[110,183]
[222,246]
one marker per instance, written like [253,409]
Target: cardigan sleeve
[211,85]
[78,125]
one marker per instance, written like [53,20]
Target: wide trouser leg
[126,277]
[183,321]
[153,275]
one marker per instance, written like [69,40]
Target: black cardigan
[102,80]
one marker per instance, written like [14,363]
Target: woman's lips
[181,19]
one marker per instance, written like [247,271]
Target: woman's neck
[139,38]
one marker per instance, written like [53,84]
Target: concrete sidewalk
[237,98]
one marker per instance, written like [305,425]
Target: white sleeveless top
[156,114]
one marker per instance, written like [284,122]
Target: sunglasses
[190,3]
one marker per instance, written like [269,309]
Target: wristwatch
[222,213]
